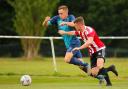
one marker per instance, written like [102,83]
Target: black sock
[103,72]
[108,69]
[84,69]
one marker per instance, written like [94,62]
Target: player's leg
[81,59]
[93,62]
[70,58]
[108,69]
[99,59]
[102,78]
[98,69]
[86,69]
[75,57]
[100,64]
[101,54]
[74,60]
[113,69]
[103,72]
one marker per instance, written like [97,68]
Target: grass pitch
[67,77]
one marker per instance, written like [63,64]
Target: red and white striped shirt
[96,45]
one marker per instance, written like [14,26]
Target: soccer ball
[25,80]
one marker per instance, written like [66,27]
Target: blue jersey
[68,39]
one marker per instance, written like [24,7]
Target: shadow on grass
[57,74]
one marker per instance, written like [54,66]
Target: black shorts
[95,56]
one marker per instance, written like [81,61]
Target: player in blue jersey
[64,21]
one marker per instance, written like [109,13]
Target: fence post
[53,54]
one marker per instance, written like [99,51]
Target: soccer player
[64,21]
[95,47]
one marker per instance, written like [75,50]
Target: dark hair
[64,7]
[79,19]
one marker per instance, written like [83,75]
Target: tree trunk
[30,47]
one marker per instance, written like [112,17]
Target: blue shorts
[75,43]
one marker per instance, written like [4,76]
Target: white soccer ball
[25,80]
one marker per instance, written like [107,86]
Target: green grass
[67,77]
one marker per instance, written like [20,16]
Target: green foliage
[29,14]
[6,24]
[28,18]
[108,17]
[6,15]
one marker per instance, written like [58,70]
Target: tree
[27,22]
[108,17]
[6,15]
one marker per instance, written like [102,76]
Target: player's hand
[95,71]
[47,18]
[44,23]
[61,32]
[63,23]
[76,48]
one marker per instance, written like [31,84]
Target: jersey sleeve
[91,33]
[53,21]
[72,18]
[76,33]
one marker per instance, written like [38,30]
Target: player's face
[77,26]
[63,13]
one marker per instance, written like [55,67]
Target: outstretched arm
[61,32]
[71,24]
[45,22]
[85,45]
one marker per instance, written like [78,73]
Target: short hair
[79,19]
[64,7]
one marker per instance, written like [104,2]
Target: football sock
[113,69]
[97,77]
[84,69]
[103,72]
[75,61]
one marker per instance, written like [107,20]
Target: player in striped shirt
[95,47]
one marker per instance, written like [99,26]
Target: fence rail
[39,37]
[52,43]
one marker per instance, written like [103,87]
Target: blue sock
[75,61]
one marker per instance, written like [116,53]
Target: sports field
[67,77]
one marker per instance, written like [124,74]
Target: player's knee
[94,71]
[100,63]
[68,57]
[100,66]
[67,60]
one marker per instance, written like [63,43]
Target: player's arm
[61,32]
[85,45]
[45,22]
[71,24]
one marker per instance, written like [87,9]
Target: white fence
[52,44]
